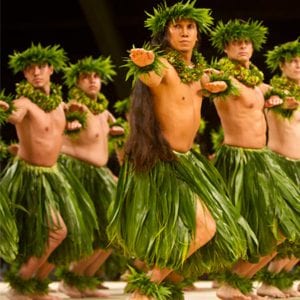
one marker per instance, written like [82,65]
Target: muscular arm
[19,113]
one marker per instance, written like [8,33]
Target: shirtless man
[86,156]
[8,228]
[160,172]
[250,170]
[284,140]
[50,226]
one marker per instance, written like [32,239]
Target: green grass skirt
[153,215]
[100,185]
[36,191]
[8,229]
[263,194]
[292,169]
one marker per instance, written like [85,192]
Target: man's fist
[142,57]
[215,86]
[3,105]
[274,100]
[290,103]
[73,106]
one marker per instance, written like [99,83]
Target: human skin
[284,134]
[91,144]
[242,116]
[40,133]
[177,107]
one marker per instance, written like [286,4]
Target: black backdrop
[111,27]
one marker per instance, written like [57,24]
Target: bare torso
[242,118]
[91,144]
[177,108]
[284,134]
[40,134]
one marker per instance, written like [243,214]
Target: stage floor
[206,292]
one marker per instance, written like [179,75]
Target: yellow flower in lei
[96,107]
[45,102]
[185,73]
[283,87]
[250,77]
[287,86]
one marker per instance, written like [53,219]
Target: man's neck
[45,89]
[296,81]
[244,63]
[187,57]
[93,97]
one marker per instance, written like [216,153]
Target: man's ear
[51,70]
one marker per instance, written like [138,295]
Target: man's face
[90,84]
[239,50]
[38,75]
[182,35]
[291,68]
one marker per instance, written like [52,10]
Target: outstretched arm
[21,108]
[216,84]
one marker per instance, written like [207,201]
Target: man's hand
[116,130]
[3,105]
[13,149]
[142,57]
[211,71]
[290,103]
[215,86]
[74,106]
[73,126]
[274,100]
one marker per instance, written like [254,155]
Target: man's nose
[36,70]
[184,31]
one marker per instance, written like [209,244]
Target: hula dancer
[49,210]
[8,228]
[284,140]
[267,199]
[85,154]
[171,201]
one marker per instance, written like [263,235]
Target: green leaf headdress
[239,30]
[163,15]
[282,53]
[101,66]
[36,54]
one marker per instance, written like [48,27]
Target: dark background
[111,27]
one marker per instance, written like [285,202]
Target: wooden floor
[206,292]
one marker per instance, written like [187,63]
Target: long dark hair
[146,145]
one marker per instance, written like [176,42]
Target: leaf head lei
[101,66]
[38,55]
[282,53]
[235,30]
[163,14]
